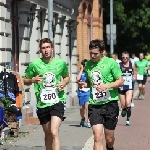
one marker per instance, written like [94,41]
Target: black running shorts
[106,114]
[143,82]
[44,114]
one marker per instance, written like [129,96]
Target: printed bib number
[139,77]
[49,95]
[127,80]
[100,96]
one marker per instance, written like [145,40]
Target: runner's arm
[66,80]
[79,76]
[119,82]
[134,72]
[27,81]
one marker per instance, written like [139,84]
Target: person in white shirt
[115,57]
[133,59]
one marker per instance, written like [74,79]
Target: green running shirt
[140,65]
[104,71]
[52,73]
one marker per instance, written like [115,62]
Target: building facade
[24,22]
[90,26]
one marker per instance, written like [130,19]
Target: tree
[132,19]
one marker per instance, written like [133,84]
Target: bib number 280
[49,95]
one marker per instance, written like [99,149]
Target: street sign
[108,29]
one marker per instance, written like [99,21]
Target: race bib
[139,77]
[49,95]
[100,96]
[127,80]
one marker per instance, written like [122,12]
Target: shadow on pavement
[73,125]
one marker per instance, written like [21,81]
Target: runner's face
[95,54]
[46,50]
[141,56]
[125,57]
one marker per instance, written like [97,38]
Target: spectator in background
[104,53]
[133,59]
[115,57]
[83,95]
[147,57]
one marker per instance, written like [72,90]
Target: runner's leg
[128,105]
[51,130]
[123,103]
[98,136]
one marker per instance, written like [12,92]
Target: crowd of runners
[103,82]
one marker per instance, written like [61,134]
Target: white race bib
[128,81]
[100,96]
[49,95]
[139,77]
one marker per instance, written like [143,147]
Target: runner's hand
[61,86]
[146,68]
[101,87]
[82,84]
[37,79]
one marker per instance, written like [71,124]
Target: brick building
[90,19]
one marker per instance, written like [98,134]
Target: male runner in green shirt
[103,77]
[46,74]
[142,67]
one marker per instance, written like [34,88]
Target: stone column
[34,48]
[58,33]
[85,39]
[95,19]
[35,33]
[5,34]
[101,24]
[24,42]
[45,23]
[79,36]
[24,29]
[65,55]
[74,59]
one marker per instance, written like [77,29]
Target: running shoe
[132,104]
[109,148]
[123,113]
[88,125]
[142,97]
[128,123]
[82,122]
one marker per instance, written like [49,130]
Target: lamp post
[111,28]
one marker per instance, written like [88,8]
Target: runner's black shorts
[123,92]
[143,82]
[44,114]
[106,114]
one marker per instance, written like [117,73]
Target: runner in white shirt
[133,59]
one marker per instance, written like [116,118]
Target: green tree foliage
[132,18]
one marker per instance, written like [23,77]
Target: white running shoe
[132,104]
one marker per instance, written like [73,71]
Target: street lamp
[31,17]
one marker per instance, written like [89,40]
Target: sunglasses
[125,57]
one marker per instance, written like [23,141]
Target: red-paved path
[136,136]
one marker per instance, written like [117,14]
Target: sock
[109,148]
[124,109]
[128,113]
